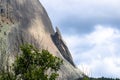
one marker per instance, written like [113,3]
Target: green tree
[33,64]
[85,78]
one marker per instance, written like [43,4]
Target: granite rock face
[26,21]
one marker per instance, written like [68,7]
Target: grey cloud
[79,16]
[82,26]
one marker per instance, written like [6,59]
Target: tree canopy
[33,64]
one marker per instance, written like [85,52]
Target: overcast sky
[91,29]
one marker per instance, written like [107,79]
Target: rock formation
[26,21]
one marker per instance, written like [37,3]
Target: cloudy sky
[91,29]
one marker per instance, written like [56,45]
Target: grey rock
[60,44]
[28,22]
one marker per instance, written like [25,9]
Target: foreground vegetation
[33,64]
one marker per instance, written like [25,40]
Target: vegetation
[33,65]
[102,78]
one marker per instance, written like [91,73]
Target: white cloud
[97,53]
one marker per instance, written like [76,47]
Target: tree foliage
[33,64]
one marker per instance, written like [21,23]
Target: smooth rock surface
[26,21]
